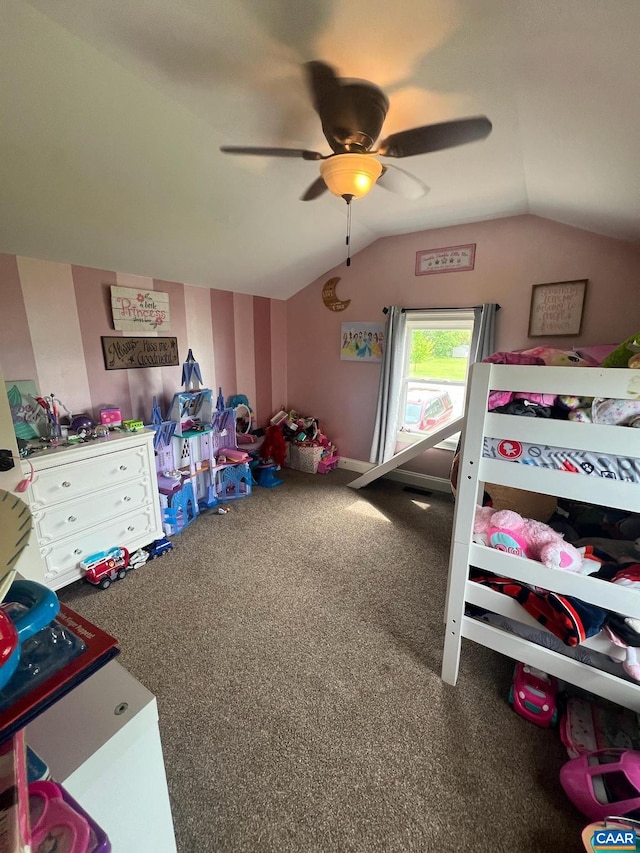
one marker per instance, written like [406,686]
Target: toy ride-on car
[533,695]
[106,566]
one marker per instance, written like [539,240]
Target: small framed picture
[362,342]
[447,259]
[557,308]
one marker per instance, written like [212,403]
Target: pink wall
[54,315]
[288,353]
[512,254]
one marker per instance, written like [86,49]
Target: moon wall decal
[329,296]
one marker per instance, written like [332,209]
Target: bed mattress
[583,462]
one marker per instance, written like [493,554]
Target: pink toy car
[533,695]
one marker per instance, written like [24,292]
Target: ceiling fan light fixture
[351,175]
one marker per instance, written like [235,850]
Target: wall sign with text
[448,259]
[128,353]
[556,308]
[139,310]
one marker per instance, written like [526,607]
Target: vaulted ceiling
[113,113]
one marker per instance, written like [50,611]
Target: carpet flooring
[294,646]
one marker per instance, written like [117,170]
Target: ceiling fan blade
[272,152]
[323,83]
[435,137]
[316,189]
[402,183]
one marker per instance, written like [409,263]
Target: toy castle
[198,462]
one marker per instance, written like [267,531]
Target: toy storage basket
[303,458]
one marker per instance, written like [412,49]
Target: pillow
[596,353]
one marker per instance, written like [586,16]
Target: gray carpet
[294,646]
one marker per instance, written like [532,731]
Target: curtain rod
[385,310]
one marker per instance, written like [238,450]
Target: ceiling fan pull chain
[348,199]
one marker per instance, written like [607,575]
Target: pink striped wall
[93,302]
[178,330]
[15,341]
[224,336]
[53,317]
[279,374]
[245,344]
[262,345]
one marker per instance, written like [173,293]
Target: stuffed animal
[558,357]
[508,531]
[624,354]
[273,448]
[481,525]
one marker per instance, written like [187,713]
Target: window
[436,366]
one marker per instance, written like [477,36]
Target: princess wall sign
[140,310]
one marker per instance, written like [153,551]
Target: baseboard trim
[410,478]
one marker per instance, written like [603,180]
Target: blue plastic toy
[267,476]
[28,608]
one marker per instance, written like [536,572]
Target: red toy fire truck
[106,566]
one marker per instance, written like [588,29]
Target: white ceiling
[112,114]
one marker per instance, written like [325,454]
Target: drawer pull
[126,498]
[72,518]
[123,467]
[78,551]
[66,484]
[131,528]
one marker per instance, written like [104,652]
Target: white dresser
[91,497]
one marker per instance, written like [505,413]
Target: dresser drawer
[130,531]
[73,517]
[63,482]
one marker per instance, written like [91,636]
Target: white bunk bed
[475,470]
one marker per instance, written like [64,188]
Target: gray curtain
[484,329]
[386,423]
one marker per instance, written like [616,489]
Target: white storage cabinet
[102,743]
[91,497]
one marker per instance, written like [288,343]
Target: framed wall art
[126,353]
[448,259]
[362,342]
[139,310]
[557,308]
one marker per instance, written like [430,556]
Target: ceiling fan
[352,113]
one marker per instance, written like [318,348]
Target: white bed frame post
[469,494]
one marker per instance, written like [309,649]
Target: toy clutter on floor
[602,776]
[299,442]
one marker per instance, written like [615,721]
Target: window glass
[436,362]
